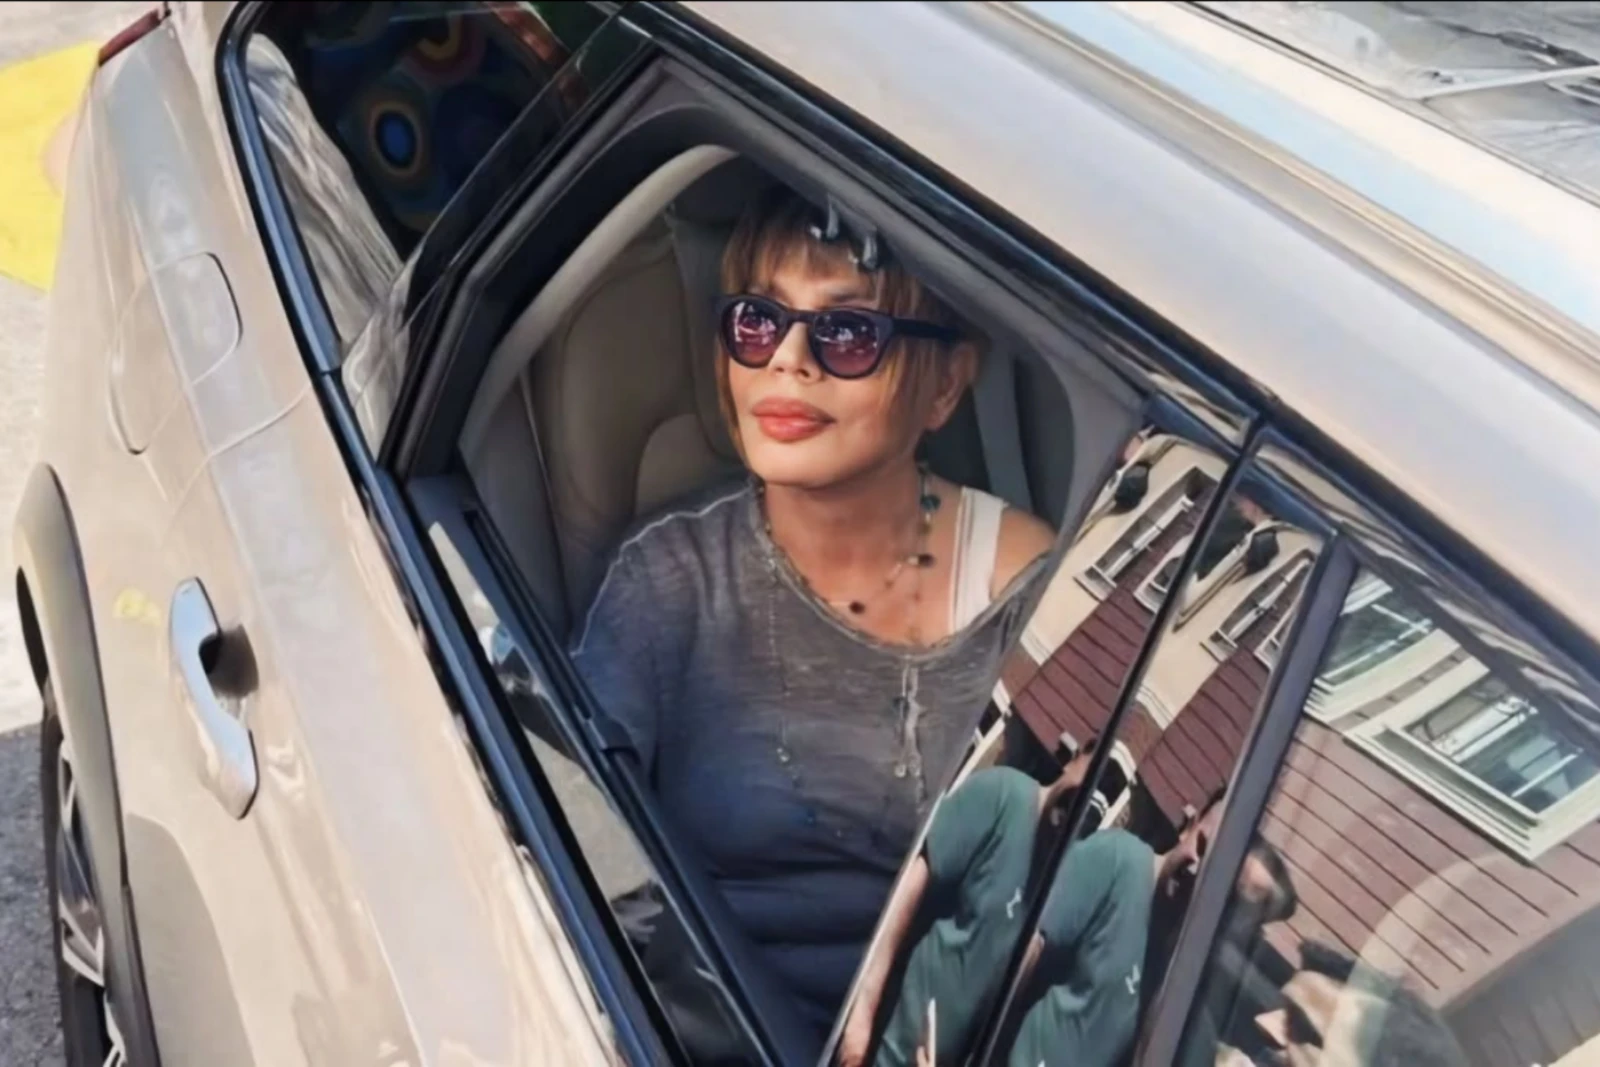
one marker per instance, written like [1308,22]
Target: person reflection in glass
[1090,954]
[971,875]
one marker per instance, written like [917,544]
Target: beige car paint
[369,907]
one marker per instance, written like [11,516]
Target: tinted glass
[648,917]
[960,909]
[1117,900]
[1439,822]
[375,114]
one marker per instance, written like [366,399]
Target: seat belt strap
[994,398]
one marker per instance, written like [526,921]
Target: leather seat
[619,415]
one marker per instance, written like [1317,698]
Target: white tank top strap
[977,544]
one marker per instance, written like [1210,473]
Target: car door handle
[227,753]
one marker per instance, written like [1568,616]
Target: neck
[864,523]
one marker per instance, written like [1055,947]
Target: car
[377,325]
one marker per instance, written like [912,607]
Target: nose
[794,354]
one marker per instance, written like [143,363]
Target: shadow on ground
[29,1034]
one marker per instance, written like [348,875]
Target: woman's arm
[615,653]
[903,905]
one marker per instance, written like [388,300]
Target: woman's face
[800,426]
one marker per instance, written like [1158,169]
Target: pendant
[784,755]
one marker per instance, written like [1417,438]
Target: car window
[649,914]
[1114,905]
[375,115]
[1437,812]
[941,960]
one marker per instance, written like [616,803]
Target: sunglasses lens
[753,331]
[847,343]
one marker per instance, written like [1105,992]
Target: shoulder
[1022,538]
[1126,852]
[1112,854]
[999,785]
[987,798]
[662,560]
[685,529]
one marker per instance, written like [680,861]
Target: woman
[800,659]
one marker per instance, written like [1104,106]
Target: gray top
[796,754]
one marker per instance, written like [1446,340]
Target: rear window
[375,115]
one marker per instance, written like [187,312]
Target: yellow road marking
[36,97]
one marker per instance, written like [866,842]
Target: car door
[316,871]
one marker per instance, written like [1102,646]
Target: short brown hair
[781,224]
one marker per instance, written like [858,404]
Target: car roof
[1425,303]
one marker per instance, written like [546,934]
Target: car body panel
[369,907]
[1499,454]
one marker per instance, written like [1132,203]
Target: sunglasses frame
[888,327]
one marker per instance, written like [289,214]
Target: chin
[794,466]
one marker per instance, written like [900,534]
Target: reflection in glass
[1444,838]
[958,911]
[686,985]
[1376,624]
[1112,916]
[376,116]
[1503,740]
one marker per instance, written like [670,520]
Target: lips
[788,421]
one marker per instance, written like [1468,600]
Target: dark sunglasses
[845,342]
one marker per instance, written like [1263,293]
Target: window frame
[1151,595]
[1280,575]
